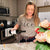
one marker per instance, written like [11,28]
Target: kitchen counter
[18,46]
[7,26]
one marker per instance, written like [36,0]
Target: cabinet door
[41,3]
[21,6]
[0,2]
[5,3]
[13,7]
[48,1]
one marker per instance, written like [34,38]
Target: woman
[27,22]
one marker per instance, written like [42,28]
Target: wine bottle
[16,31]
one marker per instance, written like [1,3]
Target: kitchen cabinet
[21,7]
[42,2]
[5,3]
[0,2]
[13,7]
[48,2]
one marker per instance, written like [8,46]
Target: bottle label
[13,32]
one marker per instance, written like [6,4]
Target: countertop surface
[7,26]
[18,46]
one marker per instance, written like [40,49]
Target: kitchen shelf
[7,17]
[43,6]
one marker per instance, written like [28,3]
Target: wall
[21,6]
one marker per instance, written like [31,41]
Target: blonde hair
[35,14]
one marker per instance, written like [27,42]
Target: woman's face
[30,10]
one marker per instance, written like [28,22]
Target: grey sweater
[27,25]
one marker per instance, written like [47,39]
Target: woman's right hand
[13,29]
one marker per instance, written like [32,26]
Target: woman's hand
[39,40]
[15,27]
[40,37]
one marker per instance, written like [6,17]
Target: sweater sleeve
[19,19]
